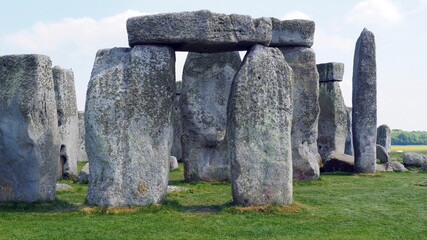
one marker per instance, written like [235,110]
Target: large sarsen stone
[384,137]
[259,129]
[297,32]
[206,86]
[129,125]
[29,135]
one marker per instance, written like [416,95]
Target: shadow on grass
[57,206]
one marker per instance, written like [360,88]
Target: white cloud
[296,15]
[383,13]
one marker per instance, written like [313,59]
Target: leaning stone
[414,159]
[177,124]
[81,155]
[339,162]
[29,136]
[382,154]
[349,138]
[259,129]
[296,32]
[84,174]
[206,86]
[173,163]
[305,156]
[68,122]
[62,187]
[384,137]
[129,125]
[332,71]
[365,103]
[333,113]
[200,31]
[392,166]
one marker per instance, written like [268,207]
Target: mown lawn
[338,206]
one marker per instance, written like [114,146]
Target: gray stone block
[384,137]
[296,32]
[81,154]
[332,71]
[349,138]
[382,154]
[414,159]
[339,162]
[176,150]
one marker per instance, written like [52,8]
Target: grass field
[339,206]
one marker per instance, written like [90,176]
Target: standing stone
[68,122]
[176,150]
[333,112]
[259,129]
[199,31]
[305,156]
[173,163]
[365,103]
[206,83]
[384,137]
[29,129]
[349,138]
[129,125]
[81,155]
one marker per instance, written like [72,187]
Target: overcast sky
[71,32]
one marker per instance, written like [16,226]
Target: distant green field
[409,148]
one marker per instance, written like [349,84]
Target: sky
[71,32]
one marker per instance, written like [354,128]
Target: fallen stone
[305,156]
[259,129]
[365,103]
[206,83]
[62,187]
[414,159]
[424,166]
[382,154]
[349,138]
[339,162]
[333,112]
[173,163]
[391,167]
[199,31]
[81,155]
[176,189]
[177,124]
[29,136]
[68,122]
[384,137]
[83,175]
[129,129]
[296,32]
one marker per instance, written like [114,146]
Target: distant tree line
[399,137]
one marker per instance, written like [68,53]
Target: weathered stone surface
[29,136]
[332,71]
[332,119]
[349,138]
[81,154]
[128,121]
[296,32]
[83,175]
[414,159]
[173,163]
[259,129]
[384,137]
[392,166]
[68,122]
[382,154]
[365,103]
[424,166]
[176,150]
[62,187]
[199,31]
[305,156]
[206,83]
[339,162]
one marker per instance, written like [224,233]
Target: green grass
[339,206]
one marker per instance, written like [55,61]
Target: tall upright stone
[68,122]
[129,125]
[349,138]
[81,154]
[365,103]
[305,157]
[333,112]
[206,83]
[259,129]
[176,150]
[384,137]
[29,132]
